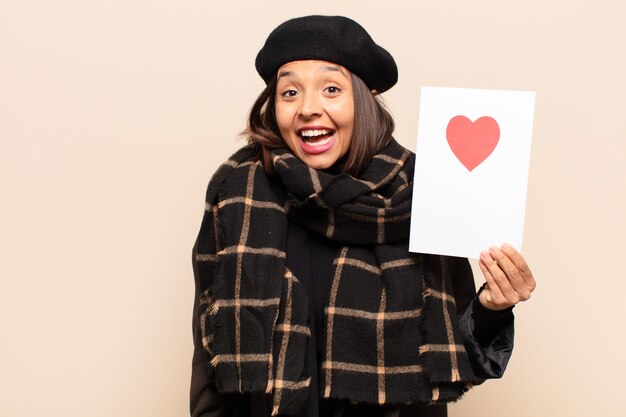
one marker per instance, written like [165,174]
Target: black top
[488,340]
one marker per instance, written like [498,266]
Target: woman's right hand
[508,276]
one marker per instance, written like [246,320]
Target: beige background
[114,115]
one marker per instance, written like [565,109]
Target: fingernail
[493,249]
[506,246]
[484,255]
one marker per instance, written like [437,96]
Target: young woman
[308,302]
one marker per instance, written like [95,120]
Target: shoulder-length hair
[372,131]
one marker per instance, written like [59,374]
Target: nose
[311,105]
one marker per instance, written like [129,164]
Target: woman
[308,302]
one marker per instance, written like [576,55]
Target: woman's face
[315,111]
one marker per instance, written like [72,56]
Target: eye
[289,93]
[333,89]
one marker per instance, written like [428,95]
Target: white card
[471,170]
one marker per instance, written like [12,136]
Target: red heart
[473,142]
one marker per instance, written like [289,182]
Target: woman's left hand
[509,279]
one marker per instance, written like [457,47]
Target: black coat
[488,340]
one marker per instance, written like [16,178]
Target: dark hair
[373,126]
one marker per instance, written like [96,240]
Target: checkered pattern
[390,324]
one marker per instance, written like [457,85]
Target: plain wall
[115,114]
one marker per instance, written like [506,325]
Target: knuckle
[500,278]
[523,267]
[514,273]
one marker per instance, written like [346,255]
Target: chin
[317,162]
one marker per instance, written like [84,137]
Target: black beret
[328,38]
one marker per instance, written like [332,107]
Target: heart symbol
[472,142]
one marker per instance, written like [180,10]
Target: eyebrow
[284,74]
[329,68]
[324,68]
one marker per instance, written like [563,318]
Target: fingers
[521,265]
[500,280]
[492,295]
[512,274]
[509,280]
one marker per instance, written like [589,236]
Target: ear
[374,92]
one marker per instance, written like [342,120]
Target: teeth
[318,142]
[311,133]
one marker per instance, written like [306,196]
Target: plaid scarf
[390,325]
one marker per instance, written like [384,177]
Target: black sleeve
[488,334]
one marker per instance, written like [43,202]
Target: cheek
[345,121]
[348,128]
[281,117]
[284,120]
[284,116]
[343,114]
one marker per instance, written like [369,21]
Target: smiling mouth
[316,137]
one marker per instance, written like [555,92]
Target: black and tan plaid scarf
[390,324]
